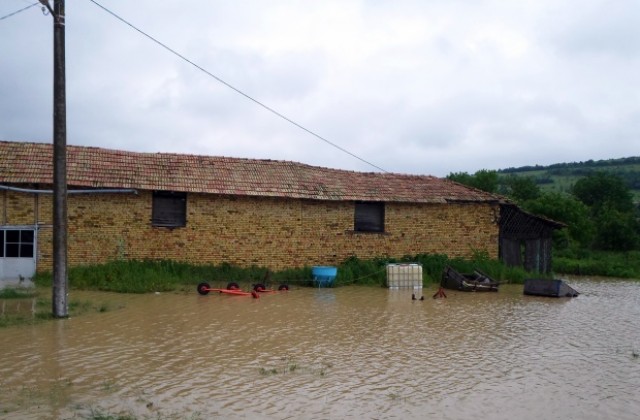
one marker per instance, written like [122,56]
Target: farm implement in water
[233,289]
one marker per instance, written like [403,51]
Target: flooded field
[351,352]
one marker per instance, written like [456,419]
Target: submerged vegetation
[21,306]
[373,272]
[27,306]
[288,365]
[17,293]
[146,276]
[161,276]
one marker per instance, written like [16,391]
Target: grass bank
[373,272]
[161,276]
[598,263]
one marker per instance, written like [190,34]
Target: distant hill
[562,176]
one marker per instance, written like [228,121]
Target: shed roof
[517,223]
[93,167]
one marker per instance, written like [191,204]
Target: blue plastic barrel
[324,276]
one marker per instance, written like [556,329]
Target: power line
[268,108]
[18,11]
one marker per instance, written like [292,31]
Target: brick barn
[199,209]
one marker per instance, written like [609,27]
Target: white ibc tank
[407,275]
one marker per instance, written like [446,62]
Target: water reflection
[333,353]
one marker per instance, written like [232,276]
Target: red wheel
[283,287]
[203,288]
[233,286]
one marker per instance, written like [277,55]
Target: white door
[17,252]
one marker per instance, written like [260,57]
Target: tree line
[598,210]
[569,166]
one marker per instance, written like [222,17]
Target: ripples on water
[351,352]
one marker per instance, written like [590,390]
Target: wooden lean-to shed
[526,239]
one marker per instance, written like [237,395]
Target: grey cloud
[417,87]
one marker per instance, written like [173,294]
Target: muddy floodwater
[349,352]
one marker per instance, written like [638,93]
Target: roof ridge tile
[91,166]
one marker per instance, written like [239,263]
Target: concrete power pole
[60,280]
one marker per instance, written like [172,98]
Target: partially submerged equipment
[233,289]
[406,275]
[548,287]
[473,282]
[324,276]
[440,293]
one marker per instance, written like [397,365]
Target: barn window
[16,243]
[169,209]
[369,217]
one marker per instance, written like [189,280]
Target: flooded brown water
[350,352]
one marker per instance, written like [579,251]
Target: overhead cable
[268,108]
[19,11]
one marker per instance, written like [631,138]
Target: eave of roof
[92,167]
[545,220]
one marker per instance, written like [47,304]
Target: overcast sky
[411,86]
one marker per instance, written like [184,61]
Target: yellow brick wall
[18,209]
[276,233]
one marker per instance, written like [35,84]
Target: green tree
[604,190]
[483,179]
[520,188]
[616,230]
[566,209]
[486,180]
[612,210]
[461,177]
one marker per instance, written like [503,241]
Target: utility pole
[60,279]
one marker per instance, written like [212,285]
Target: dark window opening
[169,209]
[13,235]
[369,217]
[26,236]
[13,251]
[26,250]
[16,243]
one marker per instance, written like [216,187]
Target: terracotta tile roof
[92,167]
